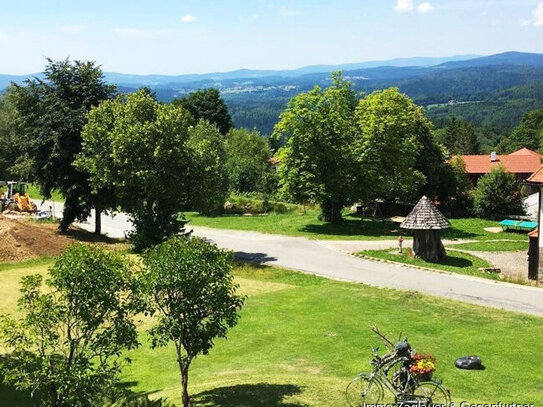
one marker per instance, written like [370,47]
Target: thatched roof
[425,216]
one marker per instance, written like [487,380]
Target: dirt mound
[21,239]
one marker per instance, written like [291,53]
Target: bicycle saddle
[403,349]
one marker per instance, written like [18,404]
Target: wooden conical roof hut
[425,216]
[426,221]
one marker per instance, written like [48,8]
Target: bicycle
[391,381]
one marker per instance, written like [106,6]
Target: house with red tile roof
[523,163]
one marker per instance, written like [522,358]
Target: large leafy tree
[208,175]
[157,163]
[52,113]
[65,348]
[529,134]
[392,131]
[207,104]
[189,285]
[248,155]
[317,161]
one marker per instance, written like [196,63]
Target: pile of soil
[22,239]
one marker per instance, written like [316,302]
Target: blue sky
[188,36]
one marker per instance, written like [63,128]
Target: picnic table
[518,225]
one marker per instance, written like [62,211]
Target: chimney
[493,156]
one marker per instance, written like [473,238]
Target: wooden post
[533,259]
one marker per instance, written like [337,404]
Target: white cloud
[189,18]
[538,15]
[72,29]
[404,6]
[424,7]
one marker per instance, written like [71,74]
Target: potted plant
[423,366]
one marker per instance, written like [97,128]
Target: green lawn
[474,228]
[494,246]
[302,338]
[34,193]
[353,228]
[456,262]
[298,224]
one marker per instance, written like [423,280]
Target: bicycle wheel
[431,394]
[363,390]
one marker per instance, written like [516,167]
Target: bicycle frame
[381,370]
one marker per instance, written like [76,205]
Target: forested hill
[492,96]
[492,91]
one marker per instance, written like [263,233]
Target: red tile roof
[273,160]
[523,161]
[525,151]
[536,177]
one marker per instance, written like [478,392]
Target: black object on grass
[469,362]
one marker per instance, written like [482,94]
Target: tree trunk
[185,384]
[428,246]
[331,211]
[184,369]
[53,394]
[336,212]
[98,219]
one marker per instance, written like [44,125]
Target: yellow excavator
[16,199]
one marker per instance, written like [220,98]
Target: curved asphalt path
[317,257]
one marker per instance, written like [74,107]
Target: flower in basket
[422,366]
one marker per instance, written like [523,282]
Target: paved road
[326,259]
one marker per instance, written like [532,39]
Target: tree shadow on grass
[249,395]
[11,397]
[82,235]
[257,258]
[355,226]
[453,261]
[453,233]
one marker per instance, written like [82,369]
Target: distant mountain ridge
[157,80]
[505,58]
[152,80]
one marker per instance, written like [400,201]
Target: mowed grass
[301,339]
[352,228]
[474,228]
[493,246]
[300,224]
[456,262]
[34,193]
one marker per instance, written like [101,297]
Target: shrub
[243,204]
[140,401]
[65,348]
[498,195]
